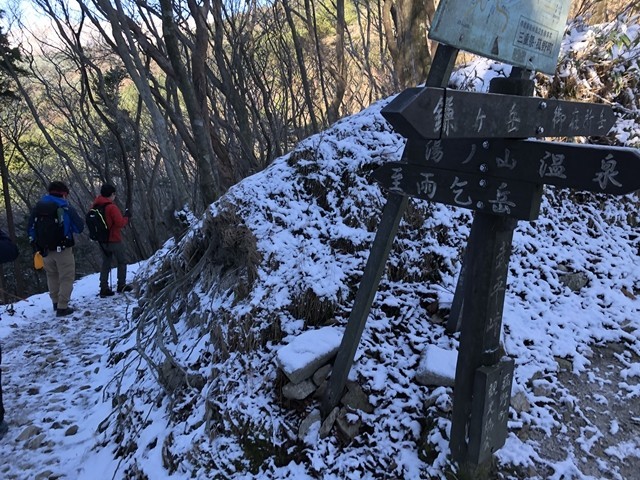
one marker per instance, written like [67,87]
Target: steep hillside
[283,253]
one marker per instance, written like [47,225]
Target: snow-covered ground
[54,374]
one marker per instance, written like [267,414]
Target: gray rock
[542,389]
[437,367]
[520,402]
[307,423]
[574,281]
[52,359]
[319,393]
[356,398]
[305,354]
[171,376]
[29,432]
[60,389]
[72,430]
[321,374]
[327,425]
[298,391]
[348,429]
[564,365]
[35,442]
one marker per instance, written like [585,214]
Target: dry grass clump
[314,310]
[231,244]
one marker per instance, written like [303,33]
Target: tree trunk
[304,77]
[11,227]
[406,23]
[124,47]
[340,75]
[194,91]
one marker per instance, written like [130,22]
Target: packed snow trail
[54,374]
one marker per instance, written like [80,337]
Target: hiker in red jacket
[116,221]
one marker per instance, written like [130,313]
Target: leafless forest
[174,101]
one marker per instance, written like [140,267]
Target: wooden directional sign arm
[438,113]
[472,190]
[439,75]
[601,169]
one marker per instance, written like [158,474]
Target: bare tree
[406,24]
[9,58]
[302,68]
[124,44]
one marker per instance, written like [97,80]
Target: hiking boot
[4,428]
[63,312]
[124,288]
[106,292]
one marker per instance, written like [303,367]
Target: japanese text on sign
[520,32]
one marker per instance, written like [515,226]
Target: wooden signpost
[440,113]
[469,150]
[439,74]
[477,191]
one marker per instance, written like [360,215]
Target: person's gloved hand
[127,213]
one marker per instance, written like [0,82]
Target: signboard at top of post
[524,33]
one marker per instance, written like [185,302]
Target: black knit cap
[107,190]
[58,188]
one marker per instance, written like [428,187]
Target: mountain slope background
[196,393]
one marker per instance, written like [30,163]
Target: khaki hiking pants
[61,273]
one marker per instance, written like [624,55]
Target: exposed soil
[598,417]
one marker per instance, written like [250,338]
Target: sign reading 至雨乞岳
[525,33]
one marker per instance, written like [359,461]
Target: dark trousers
[1,405]
[109,252]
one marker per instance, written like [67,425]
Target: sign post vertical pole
[484,284]
[439,74]
[484,288]
[455,314]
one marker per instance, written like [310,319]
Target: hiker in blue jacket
[8,253]
[51,227]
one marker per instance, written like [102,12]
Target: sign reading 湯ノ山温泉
[524,33]
[593,168]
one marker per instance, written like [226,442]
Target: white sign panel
[525,33]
